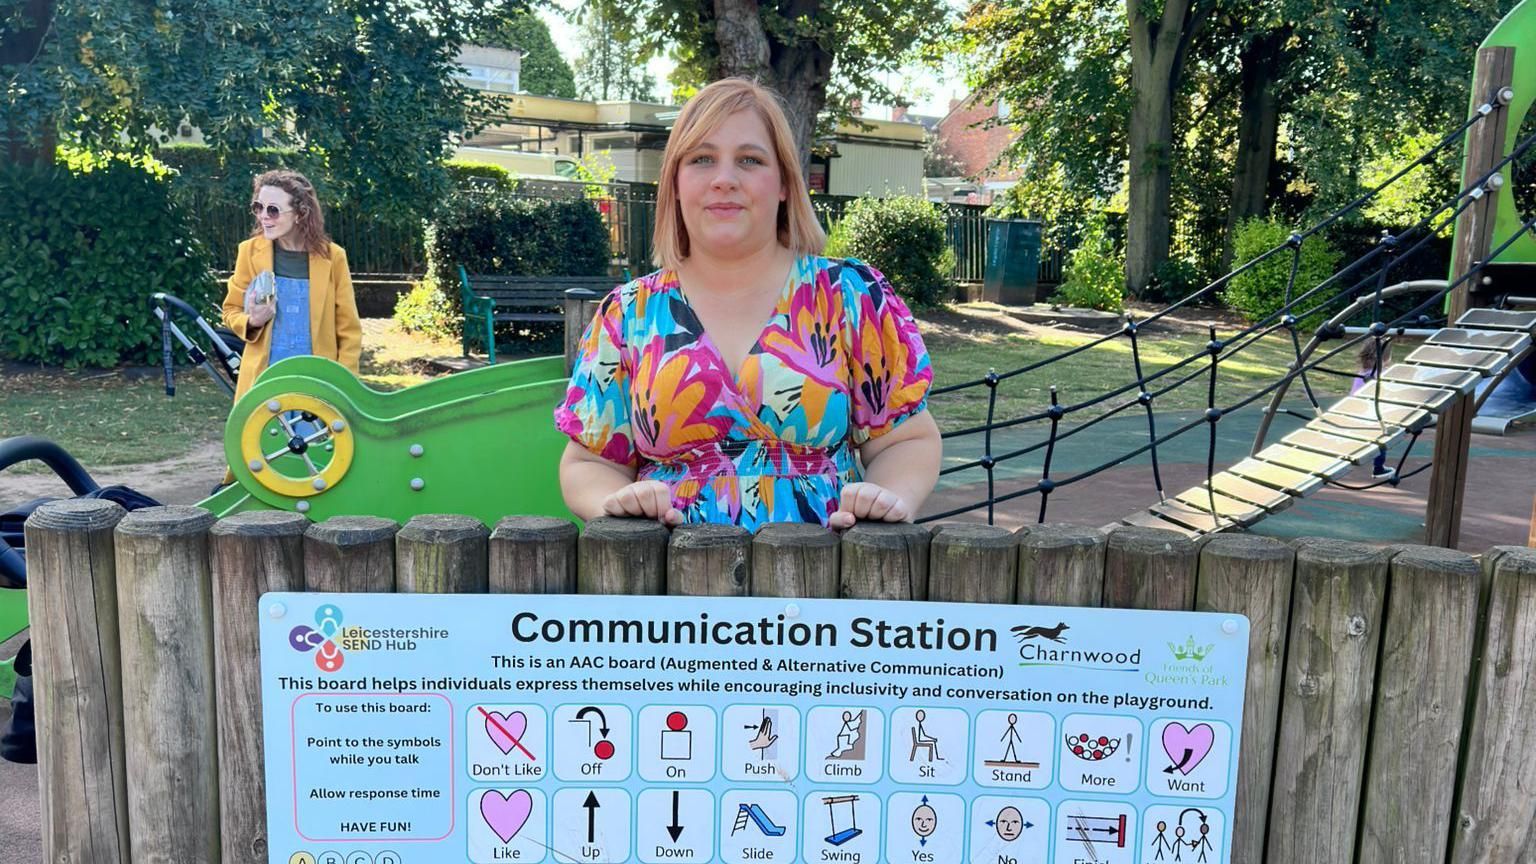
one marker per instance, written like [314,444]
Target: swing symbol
[838,838]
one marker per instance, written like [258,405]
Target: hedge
[83,247]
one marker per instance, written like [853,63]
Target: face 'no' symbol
[1010,823]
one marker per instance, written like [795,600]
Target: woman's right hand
[261,313]
[648,498]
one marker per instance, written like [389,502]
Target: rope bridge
[1402,399]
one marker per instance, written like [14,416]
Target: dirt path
[183,480]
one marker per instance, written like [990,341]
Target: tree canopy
[817,54]
[366,85]
[544,71]
[1270,106]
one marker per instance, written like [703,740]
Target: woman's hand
[869,502]
[262,312]
[649,498]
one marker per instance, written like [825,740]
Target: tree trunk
[1148,229]
[799,71]
[1158,49]
[20,47]
[1258,130]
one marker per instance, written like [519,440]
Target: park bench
[492,299]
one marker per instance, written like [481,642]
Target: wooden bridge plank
[1485,362]
[1509,341]
[1364,409]
[1498,319]
[1347,449]
[1285,479]
[1302,460]
[1432,376]
[1242,489]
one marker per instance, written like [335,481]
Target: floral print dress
[840,362]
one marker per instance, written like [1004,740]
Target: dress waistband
[754,457]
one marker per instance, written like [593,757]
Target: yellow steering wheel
[296,445]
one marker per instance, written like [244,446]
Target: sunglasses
[272,210]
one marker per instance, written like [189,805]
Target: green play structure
[309,437]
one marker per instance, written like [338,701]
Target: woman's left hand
[869,502]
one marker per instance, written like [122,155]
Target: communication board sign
[423,729]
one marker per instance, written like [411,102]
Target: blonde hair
[797,226]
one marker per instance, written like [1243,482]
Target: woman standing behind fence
[300,297]
[685,407]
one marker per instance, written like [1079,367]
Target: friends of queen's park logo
[322,638]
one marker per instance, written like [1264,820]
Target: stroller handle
[22,448]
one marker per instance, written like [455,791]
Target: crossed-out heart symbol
[1187,746]
[506,730]
[506,814]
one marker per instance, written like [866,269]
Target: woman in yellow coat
[301,299]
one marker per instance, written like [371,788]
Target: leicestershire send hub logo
[329,640]
[322,638]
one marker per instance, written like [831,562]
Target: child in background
[1366,363]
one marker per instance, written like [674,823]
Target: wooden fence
[1389,691]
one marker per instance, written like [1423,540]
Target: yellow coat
[335,331]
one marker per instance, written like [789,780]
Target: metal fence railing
[628,209]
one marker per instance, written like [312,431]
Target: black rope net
[1364,280]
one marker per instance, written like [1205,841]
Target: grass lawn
[967,342]
[122,417]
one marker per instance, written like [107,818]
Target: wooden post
[1326,710]
[1149,568]
[533,555]
[1252,576]
[1496,802]
[72,604]
[441,554]
[709,561]
[350,554]
[165,628]
[793,559]
[249,554]
[1474,239]
[1421,696]
[580,305]
[972,563]
[885,561]
[622,556]
[1061,565]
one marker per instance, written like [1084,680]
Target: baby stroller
[18,743]
[222,363]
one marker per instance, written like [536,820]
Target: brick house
[976,146]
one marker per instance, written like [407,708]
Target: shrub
[480,175]
[902,238]
[1095,276]
[425,309]
[1175,279]
[1260,290]
[493,232]
[83,247]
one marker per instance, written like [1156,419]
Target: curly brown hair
[309,219]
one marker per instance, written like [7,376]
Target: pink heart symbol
[506,814]
[1187,747]
[506,730]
